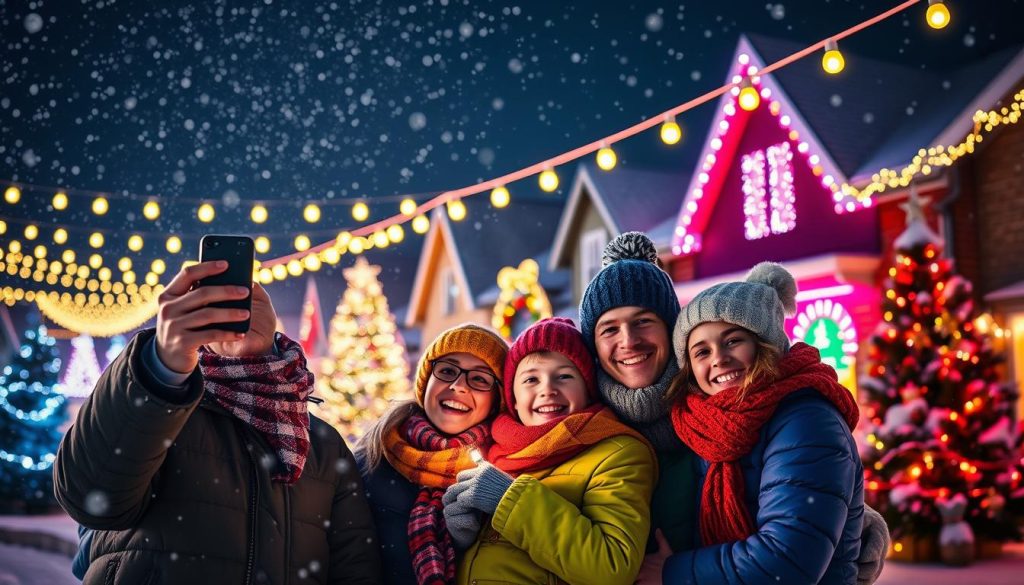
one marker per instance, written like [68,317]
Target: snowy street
[21,565]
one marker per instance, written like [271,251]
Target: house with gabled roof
[770,184]
[773,184]
[456,278]
[604,204]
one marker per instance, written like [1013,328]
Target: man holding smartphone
[195,459]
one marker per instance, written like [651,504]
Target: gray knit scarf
[644,409]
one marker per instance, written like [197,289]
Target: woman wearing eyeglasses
[416,449]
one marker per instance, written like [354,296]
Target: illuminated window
[449,292]
[769,203]
[591,247]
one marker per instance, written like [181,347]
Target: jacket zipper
[287,534]
[254,498]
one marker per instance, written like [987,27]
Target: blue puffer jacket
[391,498]
[804,485]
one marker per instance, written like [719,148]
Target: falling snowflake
[33,23]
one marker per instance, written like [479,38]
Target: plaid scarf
[269,394]
[722,430]
[431,460]
[520,449]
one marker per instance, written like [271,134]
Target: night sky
[284,102]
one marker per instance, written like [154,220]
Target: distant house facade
[456,278]
[766,186]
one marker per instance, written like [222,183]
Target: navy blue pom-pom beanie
[631,277]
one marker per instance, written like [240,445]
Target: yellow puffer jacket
[584,521]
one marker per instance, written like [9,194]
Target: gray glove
[480,488]
[463,523]
[874,545]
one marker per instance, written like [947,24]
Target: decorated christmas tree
[939,440]
[83,369]
[31,412]
[366,367]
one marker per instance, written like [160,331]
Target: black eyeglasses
[480,380]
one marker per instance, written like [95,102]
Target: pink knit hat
[556,334]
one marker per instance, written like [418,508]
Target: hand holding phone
[239,253]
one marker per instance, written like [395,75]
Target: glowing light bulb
[341,242]
[360,211]
[95,261]
[671,133]
[262,244]
[60,201]
[937,14]
[356,246]
[395,233]
[749,98]
[548,180]
[500,197]
[100,206]
[456,210]
[60,235]
[158,266]
[832,61]
[606,159]
[151,210]
[420,224]
[31,232]
[407,207]
[206,213]
[96,240]
[258,214]
[12,195]
[135,243]
[124,264]
[311,213]
[174,244]
[301,242]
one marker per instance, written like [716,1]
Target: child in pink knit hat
[567,487]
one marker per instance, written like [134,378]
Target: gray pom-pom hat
[760,304]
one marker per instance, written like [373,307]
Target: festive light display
[500,197]
[83,369]
[832,61]
[939,418]
[360,211]
[828,326]
[520,290]
[670,132]
[31,412]
[206,213]
[457,210]
[548,180]
[937,14]
[366,367]
[606,159]
[847,197]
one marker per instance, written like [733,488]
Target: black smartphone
[239,252]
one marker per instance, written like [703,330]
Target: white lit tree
[83,369]
[366,367]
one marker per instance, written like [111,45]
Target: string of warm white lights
[389,230]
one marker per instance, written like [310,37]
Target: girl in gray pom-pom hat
[781,483]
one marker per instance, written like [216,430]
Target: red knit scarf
[430,544]
[520,449]
[721,431]
[268,393]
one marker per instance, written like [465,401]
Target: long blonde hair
[370,448]
[765,367]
